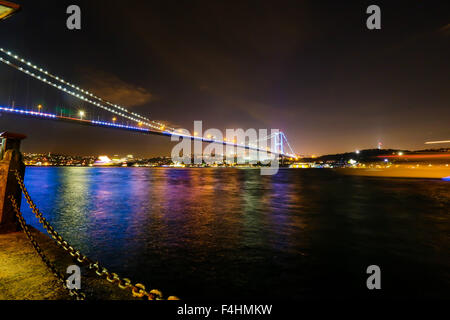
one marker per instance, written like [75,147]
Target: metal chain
[74,293]
[138,290]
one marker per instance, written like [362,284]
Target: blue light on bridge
[446,179]
[114,125]
[53,116]
[26,112]
[138,129]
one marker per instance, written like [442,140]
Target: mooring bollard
[10,161]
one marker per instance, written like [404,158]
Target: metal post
[10,161]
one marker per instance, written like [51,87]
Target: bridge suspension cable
[86,96]
[121,111]
[288,144]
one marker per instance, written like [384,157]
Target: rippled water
[212,233]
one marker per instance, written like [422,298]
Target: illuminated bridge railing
[42,115]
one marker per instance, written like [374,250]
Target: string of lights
[54,116]
[134,128]
[157,124]
[81,97]
[26,112]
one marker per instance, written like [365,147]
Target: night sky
[309,68]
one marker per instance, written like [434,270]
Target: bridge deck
[16,112]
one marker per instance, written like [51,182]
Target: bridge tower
[279,143]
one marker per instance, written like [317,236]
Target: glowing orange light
[7,9]
[438,142]
[419,156]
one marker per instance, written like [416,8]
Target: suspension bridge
[278,142]
[12,172]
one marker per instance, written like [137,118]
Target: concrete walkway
[23,275]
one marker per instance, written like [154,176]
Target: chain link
[79,295]
[138,290]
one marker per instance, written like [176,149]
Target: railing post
[10,161]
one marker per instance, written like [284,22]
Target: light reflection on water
[223,232]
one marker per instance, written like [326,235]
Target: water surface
[212,233]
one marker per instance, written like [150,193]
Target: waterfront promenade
[23,275]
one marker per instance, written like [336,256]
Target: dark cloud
[112,88]
[445,30]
